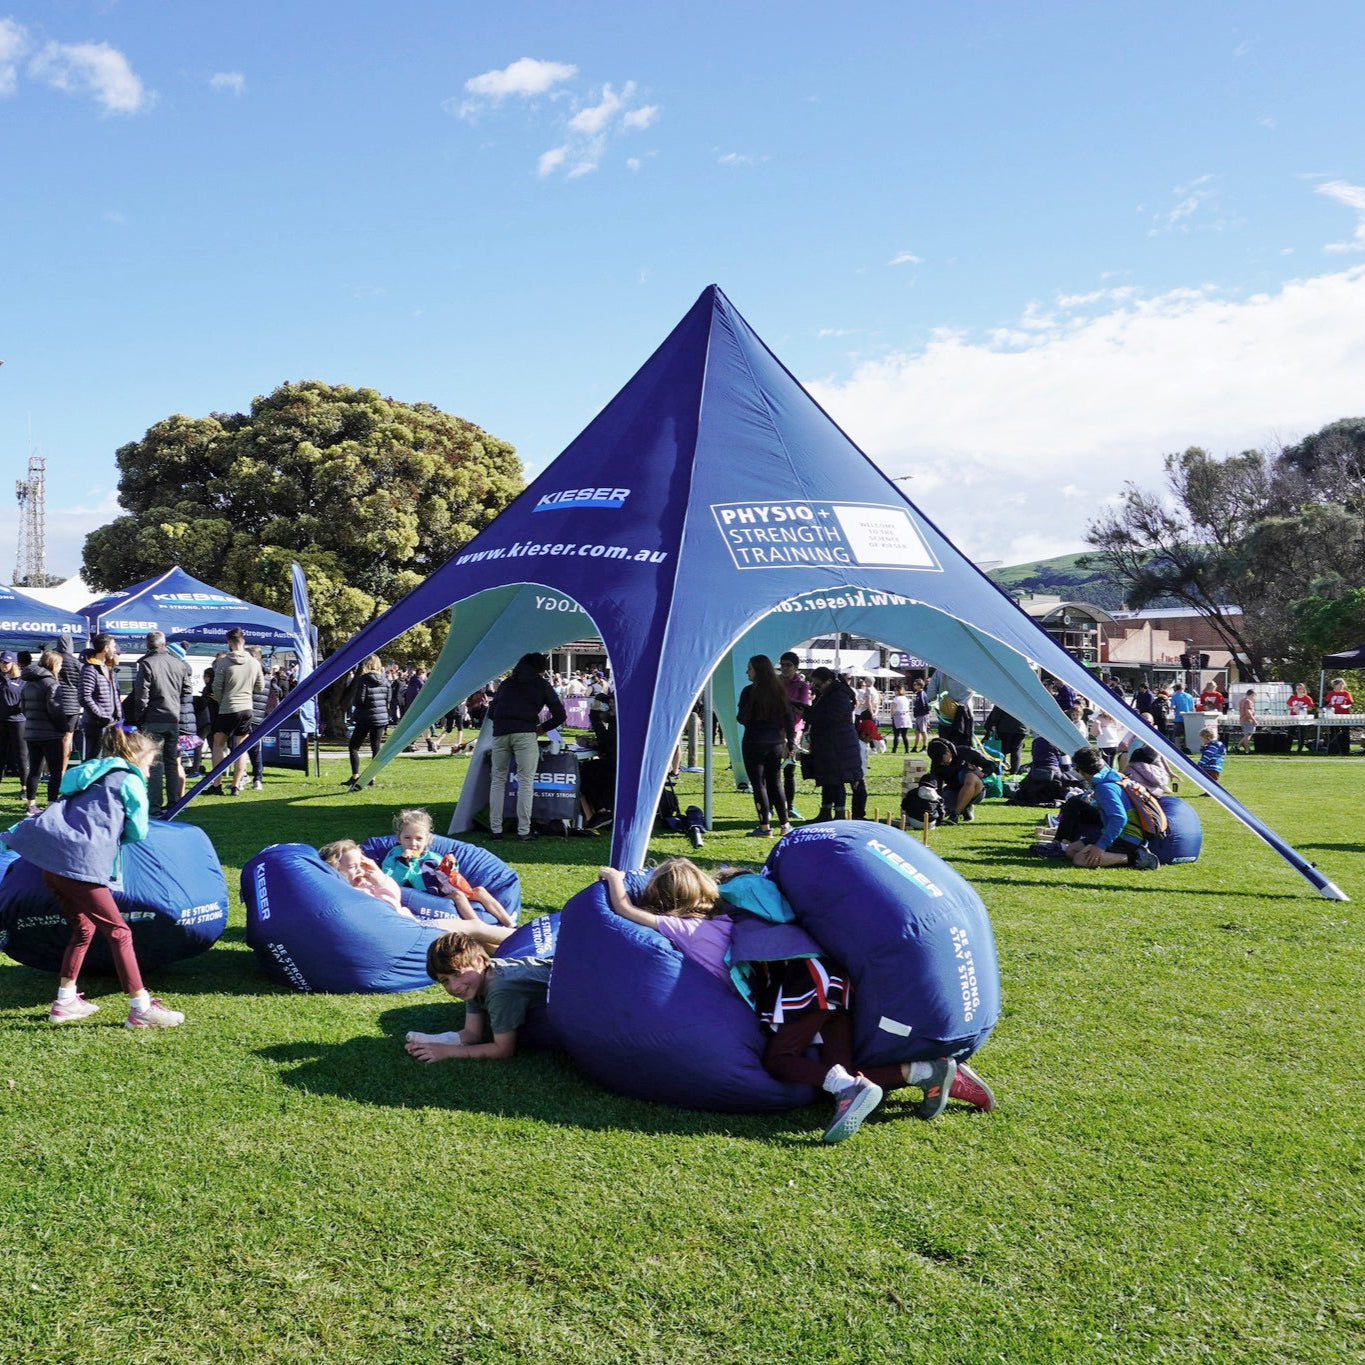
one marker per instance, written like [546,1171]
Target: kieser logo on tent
[788,535]
[194,597]
[262,895]
[581,497]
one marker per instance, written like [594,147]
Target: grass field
[1174,1171]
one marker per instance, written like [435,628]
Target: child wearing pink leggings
[76,842]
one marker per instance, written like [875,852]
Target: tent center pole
[708,767]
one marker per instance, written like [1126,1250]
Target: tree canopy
[369,494]
[1281,536]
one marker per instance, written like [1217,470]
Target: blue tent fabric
[187,611]
[174,897]
[711,505]
[25,619]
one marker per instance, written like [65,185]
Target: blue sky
[1019,251]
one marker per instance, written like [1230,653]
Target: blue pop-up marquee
[713,508]
[24,619]
[187,611]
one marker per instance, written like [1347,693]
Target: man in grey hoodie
[161,685]
[237,678]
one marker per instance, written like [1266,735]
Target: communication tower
[30,565]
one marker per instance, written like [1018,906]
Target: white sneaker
[258,785]
[156,1015]
[451,1038]
[79,1008]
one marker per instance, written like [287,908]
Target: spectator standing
[835,753]
[769,738]
[1010,732]
[44,726]
[515,713]
[69,682]
[237,678]
[100,703]
[900,718]
[1300,705]
[1211,699]
[1181,704]
[1246,713]
[161,687]
[368,705]
[13,749]
[798,695]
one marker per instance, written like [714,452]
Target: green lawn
[1174,1171]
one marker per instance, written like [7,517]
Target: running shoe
[936,1088]
[969,1087]
[156,1015]
[851,1106]
[63,1011]
[1145,860]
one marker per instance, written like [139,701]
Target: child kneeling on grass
[497,993]
[798,1000]
[410,862]
[77,842]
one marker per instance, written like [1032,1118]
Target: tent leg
[708,761]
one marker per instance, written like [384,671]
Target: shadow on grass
[538,1085]
[541,1086]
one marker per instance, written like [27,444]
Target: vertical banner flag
[306,643]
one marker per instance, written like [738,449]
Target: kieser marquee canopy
[24,618]
[712,505]
[187,611]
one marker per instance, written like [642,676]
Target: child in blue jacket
[77,842]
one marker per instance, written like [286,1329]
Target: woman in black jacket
[769,737]
[369,708]
[836,755]
[44,726]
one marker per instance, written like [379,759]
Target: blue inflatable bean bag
[313,931]
[642,1019]
[174,897]
[535,938]
[914,935]
[479,866]
[1184,839]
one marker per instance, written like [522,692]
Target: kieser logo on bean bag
[581,497]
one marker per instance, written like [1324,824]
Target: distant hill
[1063,577]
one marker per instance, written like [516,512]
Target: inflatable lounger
[641,1019]
[174,897]
[313,931]
[1184,839]
[479,866]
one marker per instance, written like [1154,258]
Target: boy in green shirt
[497,993]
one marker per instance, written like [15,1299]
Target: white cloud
[92,69]
[551,160]
[637,120]
[229,82]
[838,331]
[13,45]
[1353,196]
[906,258]
[583,131]
[739,159]
[1063,407]
[1199,194]
[527,76]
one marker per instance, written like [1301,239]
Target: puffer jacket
[369,700]
[836,755]
[44,717]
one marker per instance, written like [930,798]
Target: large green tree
[369,495]
[1262,532]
